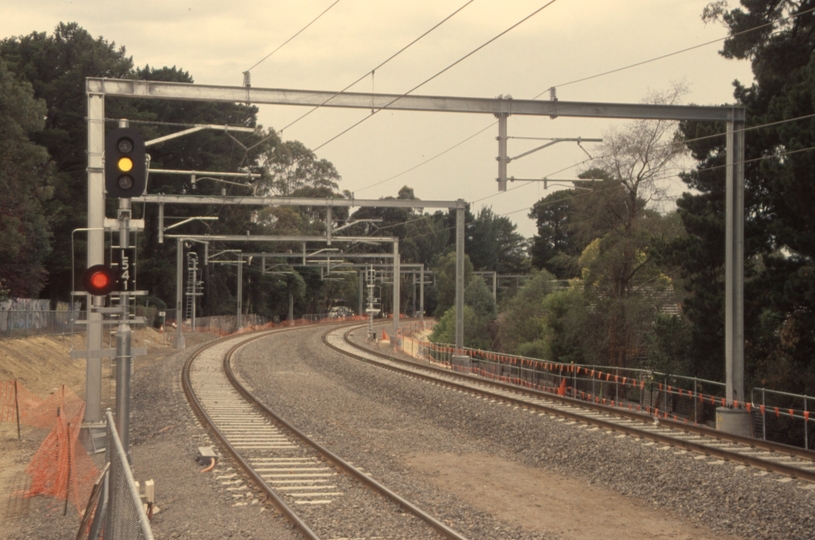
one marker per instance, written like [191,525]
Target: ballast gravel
[375,419]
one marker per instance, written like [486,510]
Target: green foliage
[494,245]
[779,224]
[476,334]
[554,248]
[479,312]
[564,312]
[522,320]
[479,297]
[56,67]
[26,176]
[669,346]
[445,273]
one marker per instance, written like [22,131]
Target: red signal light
[99,280]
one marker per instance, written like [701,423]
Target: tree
[445,273]
[56,66]
[568,220]
[779,223]
[479,312]
[494,245]
[554,248]
[522,320]
[620,276]
[25,190]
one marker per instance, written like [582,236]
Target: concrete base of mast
[734,421]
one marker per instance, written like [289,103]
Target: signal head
[100,280]
[125,174]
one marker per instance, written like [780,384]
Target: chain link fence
[19,323]
[116,508]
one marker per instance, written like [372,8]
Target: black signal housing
[125,169]
[100,280]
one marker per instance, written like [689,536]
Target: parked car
[340,312]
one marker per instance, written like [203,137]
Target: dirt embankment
[43,363]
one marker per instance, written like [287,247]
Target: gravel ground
[378,419]
[165,437]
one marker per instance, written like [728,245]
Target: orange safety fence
[60,467]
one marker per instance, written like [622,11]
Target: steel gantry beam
[297,201]
[131,88]
[98,88]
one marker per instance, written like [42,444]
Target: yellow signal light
[125,164]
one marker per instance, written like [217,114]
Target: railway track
[762,455]
[320,493]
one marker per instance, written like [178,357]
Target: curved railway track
[311,486]
[763,455]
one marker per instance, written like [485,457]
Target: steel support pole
[459,278]
[734,260]
[503,159]
[421,294]
[240,293]
[96,252]
[179,285]
[495,286]
[413,291]
[396,292]
[360,311]
[161,223]
[124,357]
[730,419]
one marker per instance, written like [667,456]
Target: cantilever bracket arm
[194,130]
[578,140]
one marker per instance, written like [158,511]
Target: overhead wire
[372,71]
[745,129]
[381,64]
[425,161]
[700,45]
[294,36]
[713,167]
[405,94]
[525,183]
[580,195]
[636,64]
[661,57]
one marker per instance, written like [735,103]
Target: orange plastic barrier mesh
[60,468]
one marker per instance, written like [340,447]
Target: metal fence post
[763,416]
[17,406]
[806,426]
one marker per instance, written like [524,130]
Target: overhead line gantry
[97,89]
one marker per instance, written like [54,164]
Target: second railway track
[762,455]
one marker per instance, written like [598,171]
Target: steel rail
[443,529]
[756,462]
[633,415]
[207,421]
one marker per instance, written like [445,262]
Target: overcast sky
[216,41]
